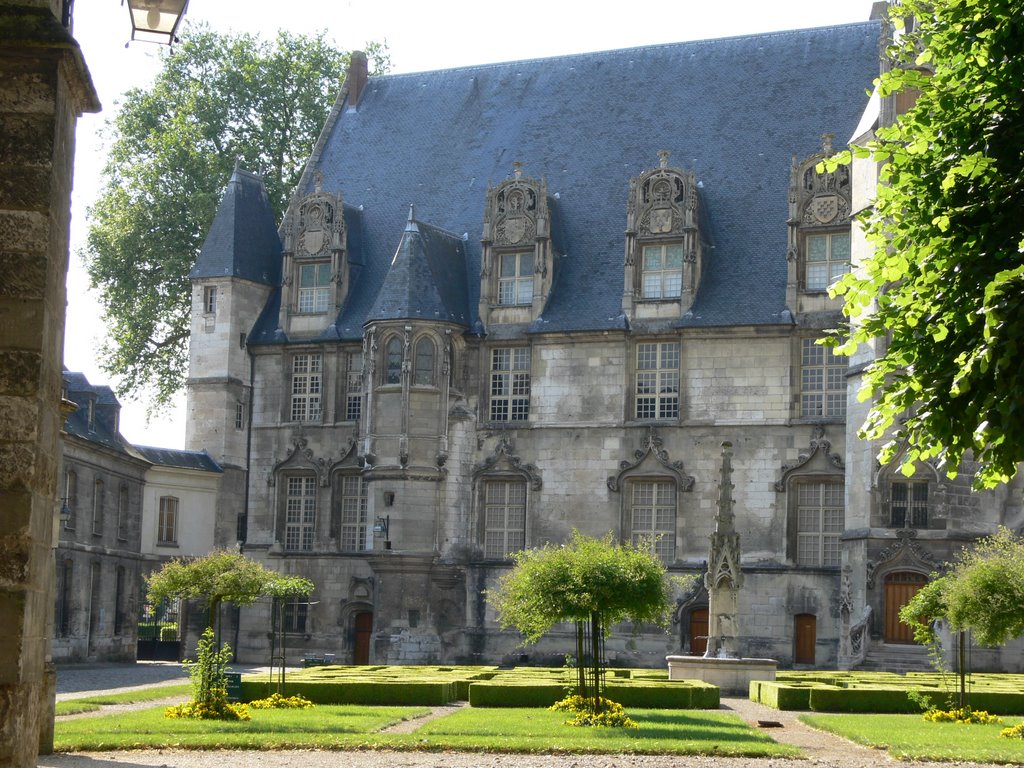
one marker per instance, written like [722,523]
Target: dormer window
[664,244]
[515,280]
[662,271]
[314,287]
[819,228]
[517,264]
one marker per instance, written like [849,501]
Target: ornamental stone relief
[516,212]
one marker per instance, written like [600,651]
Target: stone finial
[517,169]
[663,155]
[826,142]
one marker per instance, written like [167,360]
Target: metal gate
[159,633]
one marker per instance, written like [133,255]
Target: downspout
[242,525]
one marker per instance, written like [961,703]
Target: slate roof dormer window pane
[314,288]
[662,271]
[515,282]
[828,259]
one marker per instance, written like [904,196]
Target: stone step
[896,657]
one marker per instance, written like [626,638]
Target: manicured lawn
[357,727]
[910,737]
[92,703]
[324,727]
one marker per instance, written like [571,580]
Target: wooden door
[805,638]
[900,588]
[363,631]
[698,631]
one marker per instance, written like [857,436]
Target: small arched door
[698,631]
[900,588]
[363,631]
[805,638]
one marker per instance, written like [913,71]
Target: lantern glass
[156,21]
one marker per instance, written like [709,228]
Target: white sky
[421,36]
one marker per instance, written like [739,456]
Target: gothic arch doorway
[805,638]
[900,588]
[362,631]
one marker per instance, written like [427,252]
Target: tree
[218,98]
[587,581]
[945,284]
[983,592]
[220,577]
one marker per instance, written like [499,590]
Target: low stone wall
[732,676]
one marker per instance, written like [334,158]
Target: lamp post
[156,21]
[382,527]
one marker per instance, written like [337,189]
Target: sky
[421,37]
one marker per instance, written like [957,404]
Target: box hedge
[494,693]
[366,692]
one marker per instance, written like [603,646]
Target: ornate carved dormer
[819,228]
[664,245]
[517,264]
[316,271]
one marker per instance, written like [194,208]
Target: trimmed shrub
[677,694]
[503,694]
[367,692]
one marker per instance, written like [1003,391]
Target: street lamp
[382,527]
[156,21]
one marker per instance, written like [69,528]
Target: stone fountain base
[732,676]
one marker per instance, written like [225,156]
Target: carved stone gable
[504,459]
[516,211]
[819,446]
[319,226]
[662,201]
[903,554]
[653,451]
[821,199]
[301,458]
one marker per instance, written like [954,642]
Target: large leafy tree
[944,290]
[218,98]
[586,581]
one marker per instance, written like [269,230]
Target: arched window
[393,361]
[423,368]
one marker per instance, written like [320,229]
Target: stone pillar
[44,86]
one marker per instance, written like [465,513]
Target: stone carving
[904,552]
[503,457]
[652,446]
[724,577]
[662,201]
[822,199]
[300,456]
[516,212]
[819,443]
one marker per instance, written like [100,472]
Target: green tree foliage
[217,98]
[220,577]
[945,285]
[982,592]
[574,581]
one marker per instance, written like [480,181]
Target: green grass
[357,727]
[324,727]
[92,703]
[911,737]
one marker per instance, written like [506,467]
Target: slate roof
[735,110]
[80,392]
[243,240]
[172,457]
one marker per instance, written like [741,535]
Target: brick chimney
[356,77]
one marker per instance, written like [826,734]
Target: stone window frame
[484,485]
[797,485]
[354,396]
[123,502]
[359,527]
[424,372]
[392,360]
[653,538]
[301,491]
[816,464]
[829,365]
[657,397]
[667,275]
[318,297]
[239,414]
[509,403]
[168,517]
[210,301]
[832,276]
[520,281]
[306,372]
[70,497]
[97,506]
[925,475]
[292,614]
[504,465]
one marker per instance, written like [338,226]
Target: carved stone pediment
[300,458]
[317,226]
[651,453]
[662,201]
[516,211]
[820,447]
[505,460]
[904,554]
[821,199]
